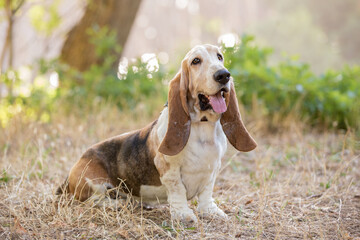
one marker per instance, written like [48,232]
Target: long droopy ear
[178,130]
[233,126]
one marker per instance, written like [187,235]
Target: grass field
[298,184]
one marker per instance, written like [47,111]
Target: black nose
[222,76]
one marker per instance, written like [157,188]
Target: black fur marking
[204,102]
[138,162]
[108,152]
[204,119]
[128,162]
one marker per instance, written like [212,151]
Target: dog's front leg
[206,205]
[177,195]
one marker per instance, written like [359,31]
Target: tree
[340,21]
[118,15]
[10,7]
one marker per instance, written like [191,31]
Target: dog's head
[203,91]
[208,82]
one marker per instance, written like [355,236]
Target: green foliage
[37,105]
[290,87]
[11,80]
[4,176]
[45,18]
[104,41]
[101,82]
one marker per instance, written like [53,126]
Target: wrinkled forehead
[206,50]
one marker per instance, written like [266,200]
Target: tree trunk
[10,9]
[118,15]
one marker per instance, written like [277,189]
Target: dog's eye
[196,61]
[219,57]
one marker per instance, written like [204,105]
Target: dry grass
[295,185]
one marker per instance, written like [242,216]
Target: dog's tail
[63,188]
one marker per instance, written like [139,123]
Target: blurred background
[288,58]
[76,72]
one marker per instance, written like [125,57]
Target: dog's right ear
[178,130]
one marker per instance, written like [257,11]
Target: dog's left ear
[178,131]
[233,126]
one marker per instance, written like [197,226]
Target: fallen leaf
[123,233]
[18,228]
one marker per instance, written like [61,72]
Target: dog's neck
[204,116]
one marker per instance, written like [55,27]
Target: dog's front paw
[185,215]
[211,209]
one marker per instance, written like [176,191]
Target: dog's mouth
[215,102]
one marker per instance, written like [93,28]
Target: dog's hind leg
[89,182]
[105,195]
[89,177]
[63,188]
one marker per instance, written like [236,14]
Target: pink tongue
[218,103]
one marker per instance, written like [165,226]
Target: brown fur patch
[90,168]
[233,126]
[63,188]
[136,161]
[179,125]
[161,165]
[125,158]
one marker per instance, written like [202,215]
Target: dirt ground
[298,184]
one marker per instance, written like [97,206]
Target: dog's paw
[210,210]
[186,216]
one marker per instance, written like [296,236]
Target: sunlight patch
[54,79]
[181,4]
[152,62]
[123,68]
[229,39]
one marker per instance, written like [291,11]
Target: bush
[139,84]
[79,92]
[290,87]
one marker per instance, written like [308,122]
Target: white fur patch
[193,171]
[153,193]
[162,124]
[201,158]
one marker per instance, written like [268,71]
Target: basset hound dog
[178,156]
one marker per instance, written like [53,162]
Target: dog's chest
[201,158]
